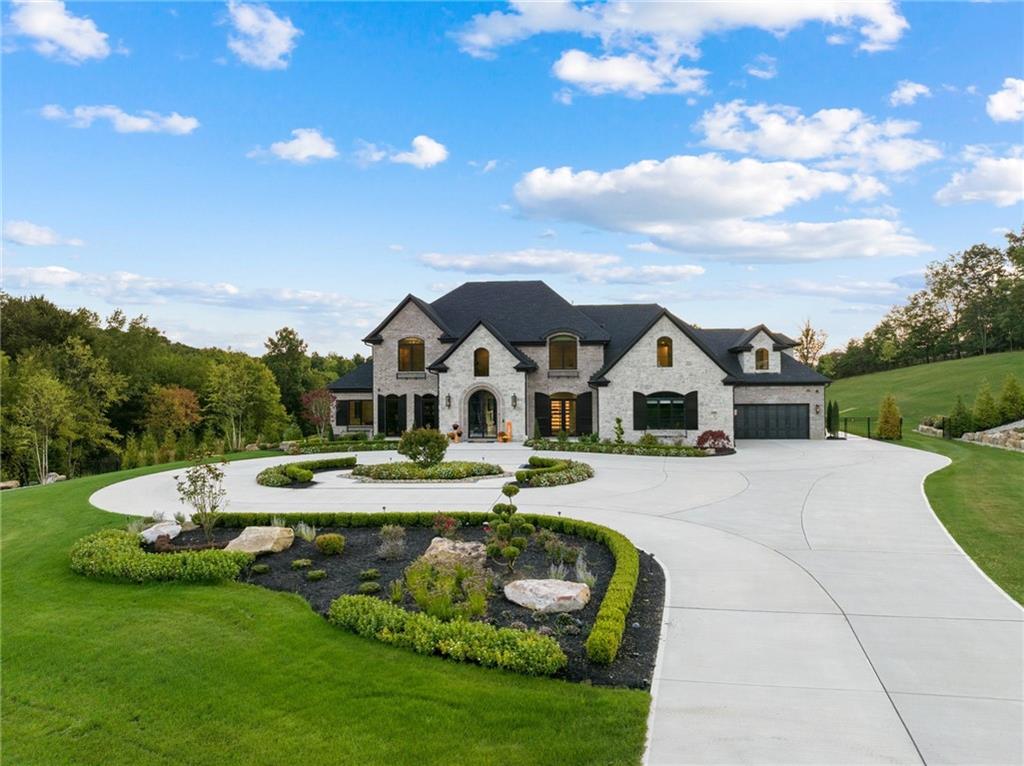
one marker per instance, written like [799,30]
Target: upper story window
[761,359]
[664,352]
[562,352]
[410,355]
[481,363]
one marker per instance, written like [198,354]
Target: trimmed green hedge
[286,474]
[519,651]
[351,445]
[604,640]
[662,450]
[408,471]
[552,472]
[118,555]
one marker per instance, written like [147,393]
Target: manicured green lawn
[980,497]
[104,673]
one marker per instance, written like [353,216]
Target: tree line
[972,303]
[81,395]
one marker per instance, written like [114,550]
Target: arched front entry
[483,415]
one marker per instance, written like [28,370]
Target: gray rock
[54,477]
[170,528]
[12,484]
[548,596]
[257,540]
[443,550]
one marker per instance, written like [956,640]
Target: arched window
[481,362]
[410,355]
[761,359]
[562,352]
[664,352]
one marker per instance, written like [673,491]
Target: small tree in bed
[317,408]
[202,488]
[423,446]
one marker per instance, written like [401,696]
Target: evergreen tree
[960,419]
[889,418]
[1011,400]
[986,413]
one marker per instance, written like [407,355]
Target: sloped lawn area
[105,673]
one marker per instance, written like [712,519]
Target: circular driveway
[817,611]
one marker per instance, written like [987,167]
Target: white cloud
[306,145]
[997,180]
[122,122]
[426,152]
[32,235]
[123,287]
[709,206]
[846,138]
[674,27]
[763,67]
[484,167]
[396,248]
[57,33]
[1007,105]
[644,42]
[548,234]
[589,267]
[871,292]
[630,74]
[907,92]
[261,38]
[563,96]
[367,153]
[866,188]
[645,247]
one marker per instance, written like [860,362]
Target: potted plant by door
[456,433]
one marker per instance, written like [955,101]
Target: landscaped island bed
[284,684]
[634,662]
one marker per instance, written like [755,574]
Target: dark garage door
[772,421]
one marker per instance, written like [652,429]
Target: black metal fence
[866,431]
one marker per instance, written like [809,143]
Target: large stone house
[515,356]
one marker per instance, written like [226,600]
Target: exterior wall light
[448,401]
[817,409]
[515,401]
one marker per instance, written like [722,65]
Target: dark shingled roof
[627,323]
[523,312]
[359,379]
[792,372]
[446,335]
[779,341]
[523,362]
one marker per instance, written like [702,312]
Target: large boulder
[547,596]
[444,551]
[169,528]
[12,484]
[257,540]
[52,478]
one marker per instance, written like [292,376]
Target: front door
[563,414]
[483,416]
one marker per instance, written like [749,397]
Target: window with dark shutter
[542,413]
[690,412]
[585,413]
[639,411]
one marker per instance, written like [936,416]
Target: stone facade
[813,396]
[543,380]
[691,370]
[348,396]
[748,358]
[410,322]
[503,380]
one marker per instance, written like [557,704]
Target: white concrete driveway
[817,610]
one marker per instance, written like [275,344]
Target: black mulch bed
[633,667]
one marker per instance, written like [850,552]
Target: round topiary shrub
[423,446]
[369,587]
[330,544]
[316,574]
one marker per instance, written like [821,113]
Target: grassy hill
[925,389]
[980,497]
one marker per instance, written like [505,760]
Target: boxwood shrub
[660,450]
[286,474]
[515,650]
[552,472]
[348,446]
[116,554]
[407,471]
[603,642]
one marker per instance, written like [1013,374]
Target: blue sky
[230,168]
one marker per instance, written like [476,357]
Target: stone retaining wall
[1011,440]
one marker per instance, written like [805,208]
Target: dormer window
[481,363]
[410,355]
[761,359]
[664,352]
[562,352]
